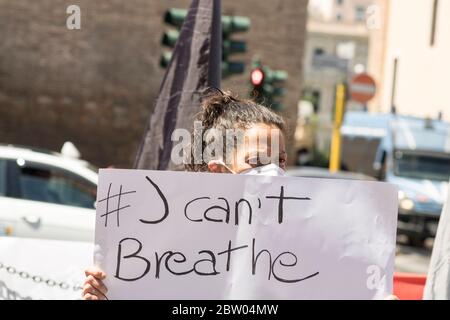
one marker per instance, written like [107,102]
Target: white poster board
[182,235]
[36,269]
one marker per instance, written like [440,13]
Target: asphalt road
[412,259]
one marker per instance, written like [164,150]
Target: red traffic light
[257,77]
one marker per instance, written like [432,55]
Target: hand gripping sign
[182,235]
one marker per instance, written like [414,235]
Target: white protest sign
[42,269]
[183,235]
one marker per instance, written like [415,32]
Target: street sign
[329,61]
[362,88]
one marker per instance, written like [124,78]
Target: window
[360,13]
[421,166]
[49,184]
[312,96]
[338,17]
[339,2]
[318,51]
[2,177]
[346,50]
[316,100]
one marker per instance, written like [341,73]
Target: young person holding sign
[239,136]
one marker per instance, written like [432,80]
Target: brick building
[96,86]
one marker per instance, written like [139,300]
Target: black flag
[195,65]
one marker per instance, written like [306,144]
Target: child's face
[263,144]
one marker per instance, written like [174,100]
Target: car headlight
[406,204]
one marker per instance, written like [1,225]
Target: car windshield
[422,166]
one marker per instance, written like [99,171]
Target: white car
[46,195]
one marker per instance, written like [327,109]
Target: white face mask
[267,170]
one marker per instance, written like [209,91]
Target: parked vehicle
[410,152]
[46,195]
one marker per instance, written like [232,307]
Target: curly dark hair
[223,110]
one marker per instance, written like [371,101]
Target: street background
[362,84]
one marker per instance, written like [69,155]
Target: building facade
[96,86]
[336,48]
[412,61]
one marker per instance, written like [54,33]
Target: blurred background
[361,83]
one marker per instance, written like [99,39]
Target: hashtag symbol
[119,208]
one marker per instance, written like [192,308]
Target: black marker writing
[187,205]
[176,263]
[281,199]
[228,252]
[164,200]
[236,211]
[119,208]
[226,210]
[133,255]
[288,265]
[212,261]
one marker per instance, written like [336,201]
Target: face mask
[267,170]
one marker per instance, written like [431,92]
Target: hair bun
[214,103]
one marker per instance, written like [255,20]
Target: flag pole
[215,57]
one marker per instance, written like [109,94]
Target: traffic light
[230,26]
[175,18]
[266,85]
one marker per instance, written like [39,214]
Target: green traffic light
[170,38]
[165,59]
[278,91]
[230,25]
[279,76]
[268,89]
[231,46]
[175,17]
[276,76]
[229,68]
